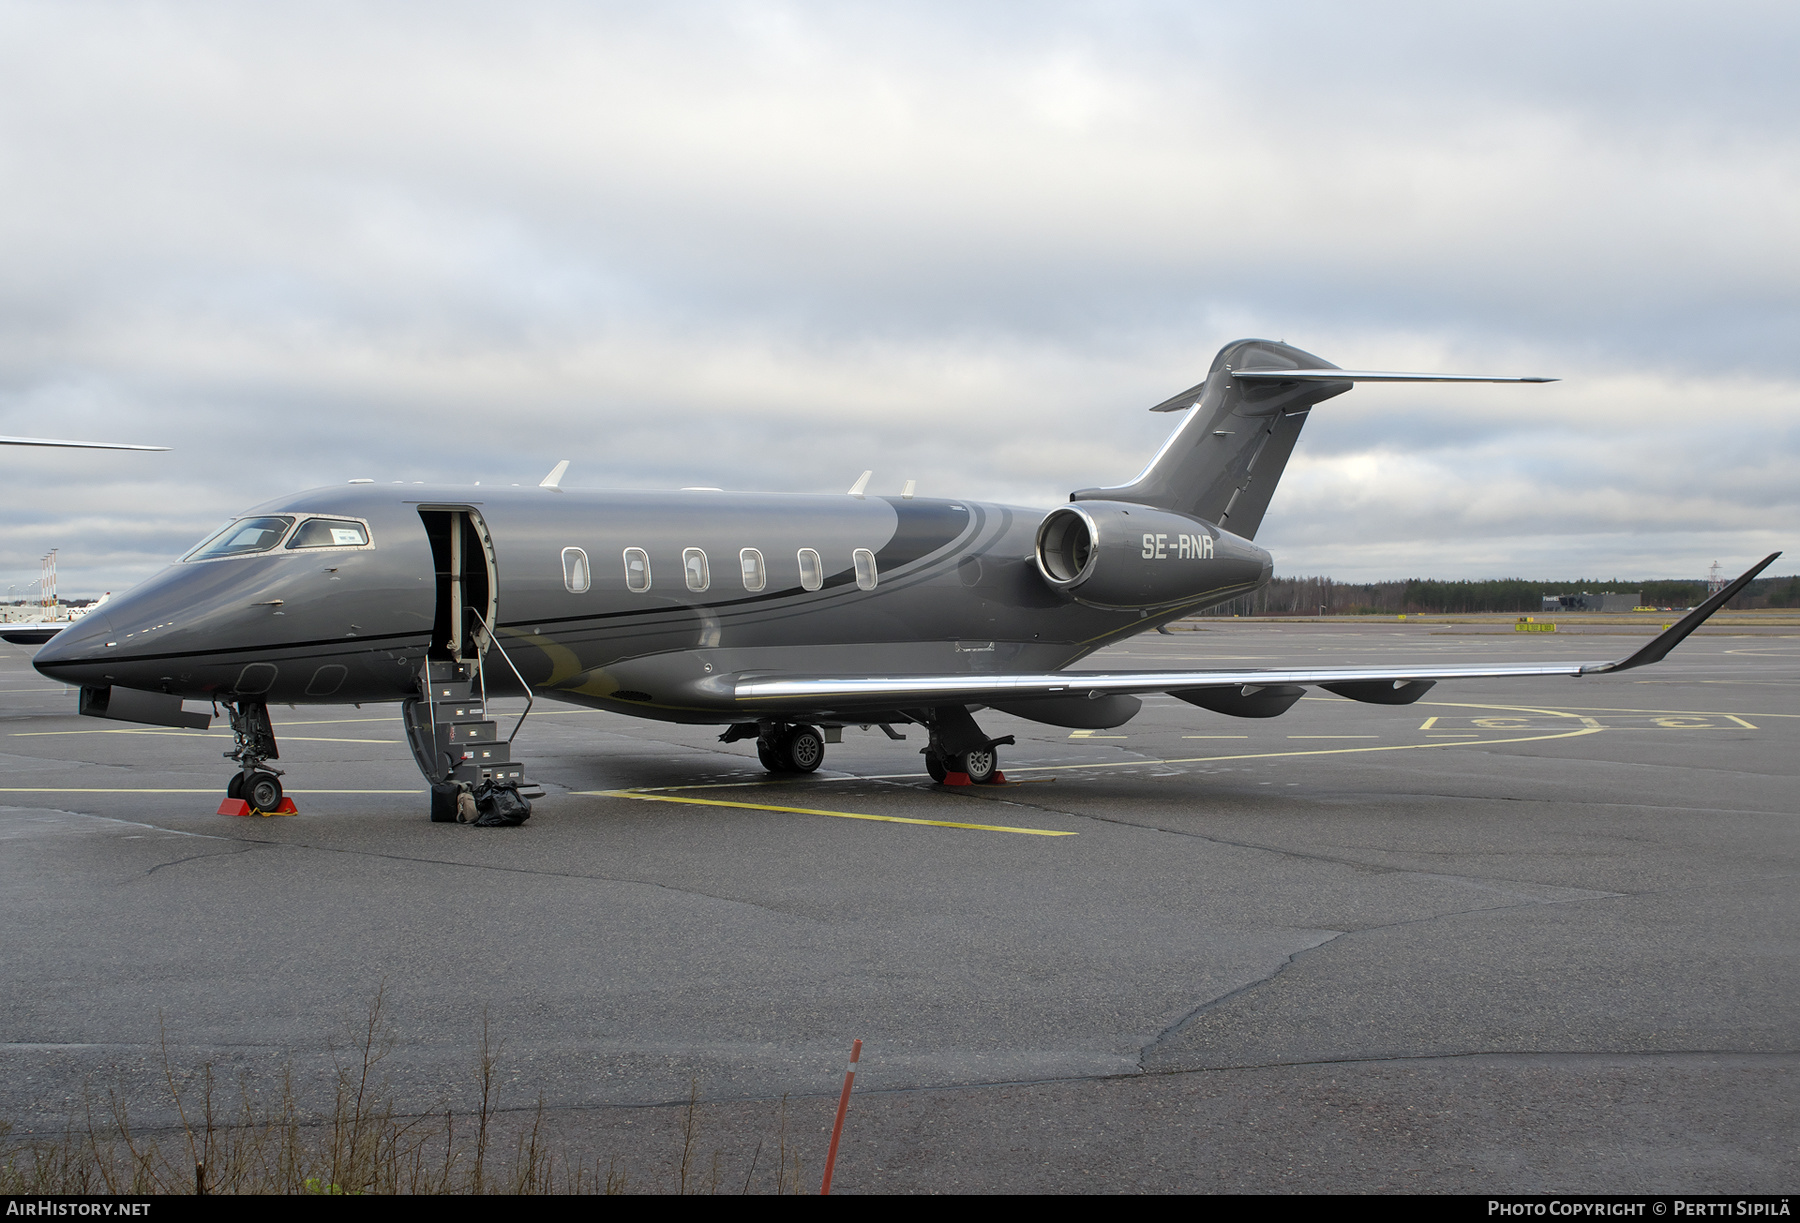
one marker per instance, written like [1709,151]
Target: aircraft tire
[770,759]
[802,750]
[980,765]
[235,787]
[262,791]
[934,764]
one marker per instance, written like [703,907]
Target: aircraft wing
[51,441]
[1367,683]
[29,634]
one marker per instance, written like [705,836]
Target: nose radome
[83,641]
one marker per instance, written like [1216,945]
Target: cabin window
[637,570]
[575,571]
[755,578]
[812,573]
[241,538]
[693,565]
[330,533]
[866,577]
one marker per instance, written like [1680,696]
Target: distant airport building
[1605,601]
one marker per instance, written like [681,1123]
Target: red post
[843,1107]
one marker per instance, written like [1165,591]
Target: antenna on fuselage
[862,482]
[554,479]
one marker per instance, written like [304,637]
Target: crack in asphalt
[1171,1031]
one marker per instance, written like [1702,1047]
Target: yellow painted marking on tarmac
[1740,721]
[1088,734]
[168,790]
[1315,751]
[841,815]
[333,721]
[1334,736]
[1215,736]
[186,734]
[1577,710]
[1429,723]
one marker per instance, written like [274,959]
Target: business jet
[782,618]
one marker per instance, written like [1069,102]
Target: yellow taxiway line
[1317,751]
[840,815]
[152,790]
[184,734]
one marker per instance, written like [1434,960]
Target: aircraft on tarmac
[781,617]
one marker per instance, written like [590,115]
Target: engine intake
[1113,555]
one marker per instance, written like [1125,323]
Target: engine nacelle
[1114,555]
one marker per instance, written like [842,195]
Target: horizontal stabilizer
[1370,375]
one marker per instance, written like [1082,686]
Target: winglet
[862,482]
[554,479]
[1669,638]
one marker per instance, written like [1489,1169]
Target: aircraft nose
[70,654]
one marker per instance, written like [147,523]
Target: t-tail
[1224,459]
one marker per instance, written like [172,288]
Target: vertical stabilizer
[1223,460]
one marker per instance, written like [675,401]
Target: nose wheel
[255,789]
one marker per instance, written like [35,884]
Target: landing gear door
[462,552]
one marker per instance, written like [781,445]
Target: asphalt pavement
[1522,936]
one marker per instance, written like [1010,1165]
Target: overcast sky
[765,246]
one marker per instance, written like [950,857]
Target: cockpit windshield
[242,538]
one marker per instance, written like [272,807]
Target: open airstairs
[456,745]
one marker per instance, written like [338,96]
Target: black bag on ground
[500,806]
[443,802]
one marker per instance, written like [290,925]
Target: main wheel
[262,791]
[934,764]
[802,750]
[235,787]
[770,759]
[979,765]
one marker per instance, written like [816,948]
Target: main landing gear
[980,767]
[790,749]
[957,753]
[255,789]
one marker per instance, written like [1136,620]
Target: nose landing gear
[255,789]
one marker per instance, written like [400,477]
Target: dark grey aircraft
[781,617]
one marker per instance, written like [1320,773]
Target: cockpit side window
[330,533]
[244,537]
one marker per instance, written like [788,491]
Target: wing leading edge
[908,690]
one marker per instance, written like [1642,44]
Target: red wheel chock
[962,779]
[237,806]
